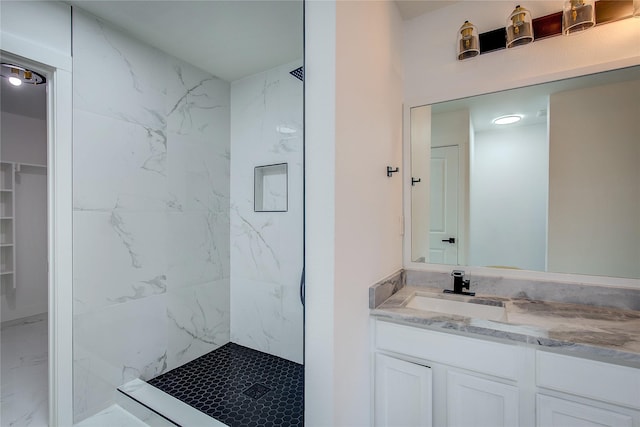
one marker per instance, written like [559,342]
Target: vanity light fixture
[519,29]
[636,8]
[17,75]
[468,42]
[578,15]
[507,120]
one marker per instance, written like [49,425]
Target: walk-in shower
[180,280]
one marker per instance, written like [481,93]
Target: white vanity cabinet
[474,401]
[402,393]
[477,382]
[473,382]
[558,412]
[581,392]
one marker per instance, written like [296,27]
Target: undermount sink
[459,308]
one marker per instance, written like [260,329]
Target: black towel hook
[391,171]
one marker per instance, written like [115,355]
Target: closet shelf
[8,172]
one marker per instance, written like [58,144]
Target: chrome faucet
[459,284]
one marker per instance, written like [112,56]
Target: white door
[477,402]
[402,393]
[554,412]
[420,153]
[443,213]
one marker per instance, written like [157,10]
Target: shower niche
[270,188]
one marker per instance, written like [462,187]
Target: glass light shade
[519,28]
[636,8]
[468,42]
[578,15]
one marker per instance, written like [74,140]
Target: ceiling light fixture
[17,75]
[507,120]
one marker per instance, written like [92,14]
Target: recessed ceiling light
[15,81]
[17,75]
[507,120]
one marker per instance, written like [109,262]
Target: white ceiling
[531,101]
[230,39]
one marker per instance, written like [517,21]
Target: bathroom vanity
[520,362]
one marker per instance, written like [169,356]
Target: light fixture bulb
[468,41]
[507,120]
[519,27]
[15,81]
[578,15]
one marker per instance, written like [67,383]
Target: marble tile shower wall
[151,212]
[266,247]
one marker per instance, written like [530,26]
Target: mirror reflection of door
[420,153]
[443,211]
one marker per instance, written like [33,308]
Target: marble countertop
[607,334]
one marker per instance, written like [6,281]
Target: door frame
[57,67]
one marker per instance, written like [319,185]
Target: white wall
[266,247]
[41,33]
[37,30]
[360,216]
[151,212]
[599,157]
[509,225]
[433,74]
[24,140]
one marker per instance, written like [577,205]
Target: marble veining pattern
[151,148]
[266,247]
[113,416]
[24,372]
[577,293]
[386,287]
[606,333]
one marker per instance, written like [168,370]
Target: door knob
[450,240]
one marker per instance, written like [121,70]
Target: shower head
[298,73]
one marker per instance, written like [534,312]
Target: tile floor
[240,387]
[23,372]
[234,384]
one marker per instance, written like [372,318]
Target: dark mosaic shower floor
[240,387]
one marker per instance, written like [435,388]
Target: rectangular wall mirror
[556,191]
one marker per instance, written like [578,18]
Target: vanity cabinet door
[554,412]
[402,393]
[478,402]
